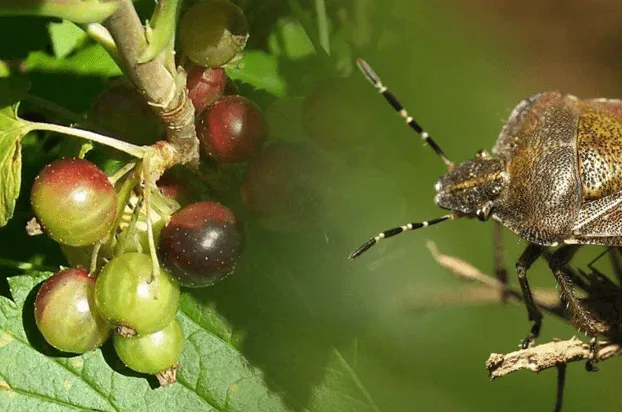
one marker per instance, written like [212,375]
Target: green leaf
[12,129]
[341,389]
[289,40]
[260,70]
[160,30]
[5,69]
[214,375]
[78,11]
[66,37]
[91,60]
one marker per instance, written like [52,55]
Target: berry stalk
[133,150]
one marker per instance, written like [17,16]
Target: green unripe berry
[211,33]
[153,353]
[130,298]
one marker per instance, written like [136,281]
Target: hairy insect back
[539,148]
[599,147]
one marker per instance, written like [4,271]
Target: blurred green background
[394,314]
[459,69]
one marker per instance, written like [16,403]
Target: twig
[162,89]
[148,185]
[546,356]
[556,354]
[547,300]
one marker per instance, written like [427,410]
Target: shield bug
[554,178]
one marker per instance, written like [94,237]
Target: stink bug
[554,178]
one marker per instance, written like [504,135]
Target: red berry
[205,86]
[175,187]
[201,244]
[65,312]
[74,201]
[232,129]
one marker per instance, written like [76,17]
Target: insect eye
[483,214]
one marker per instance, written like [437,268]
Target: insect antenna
[396,231]
[390,97]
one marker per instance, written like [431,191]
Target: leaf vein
[89,384]
[210,402]
[43,397]
[228,343]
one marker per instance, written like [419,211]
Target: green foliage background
[299,327]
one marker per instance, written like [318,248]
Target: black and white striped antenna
[377,83]
[396,231]
[390,97]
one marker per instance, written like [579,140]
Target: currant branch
[157,84]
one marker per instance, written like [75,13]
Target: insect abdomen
[599,148]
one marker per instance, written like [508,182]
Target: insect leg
[500,271]
[583,319]
[616,262]
[526,259]
[561,383]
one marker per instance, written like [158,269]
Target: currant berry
[201,244]
[153,353]
[123,113]
[65,312]
[205,86]
[131,299]
[80,257]
[176,187]
[283,187]
[74,201]
[211,33]
[232,129]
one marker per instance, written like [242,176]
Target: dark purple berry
[201,244]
